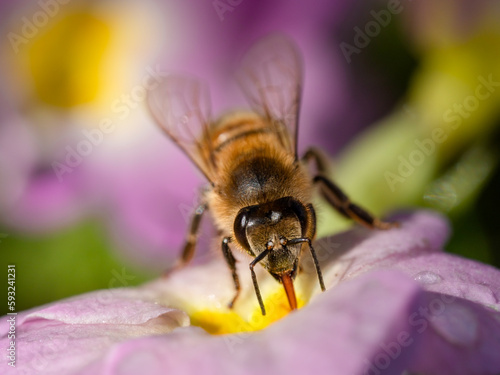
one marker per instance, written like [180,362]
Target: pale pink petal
[416,248]
[459,337]
[337,334]
[63,337]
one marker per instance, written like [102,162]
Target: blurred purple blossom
[394,302]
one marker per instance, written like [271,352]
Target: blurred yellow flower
[66,77]
[83,56]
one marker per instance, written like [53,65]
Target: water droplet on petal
[457,324]
[428,277]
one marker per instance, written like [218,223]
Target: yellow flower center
[204,291]
[65,60]
[218,322]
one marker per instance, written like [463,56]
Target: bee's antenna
[257,259]
[313,254]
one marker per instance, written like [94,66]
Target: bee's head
[271,228]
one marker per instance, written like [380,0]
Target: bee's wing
[271,78]
[181,106]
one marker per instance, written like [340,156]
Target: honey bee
[260,191]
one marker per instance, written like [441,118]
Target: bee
[260,191]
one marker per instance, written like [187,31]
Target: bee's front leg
[192,237]
[231,262]
[190,245]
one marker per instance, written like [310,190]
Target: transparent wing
[181,107]
[271,78]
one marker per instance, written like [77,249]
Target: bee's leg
[336,197]
[315,259]
[190,245]
[257,259]
[231,262]
[319,158]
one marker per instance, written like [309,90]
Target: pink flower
[394,302]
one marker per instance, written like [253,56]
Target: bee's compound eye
[283,241]
[270,245]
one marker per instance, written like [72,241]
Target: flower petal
[416,249]
[339,333]
[63,337]
[351,253]
[460,337]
